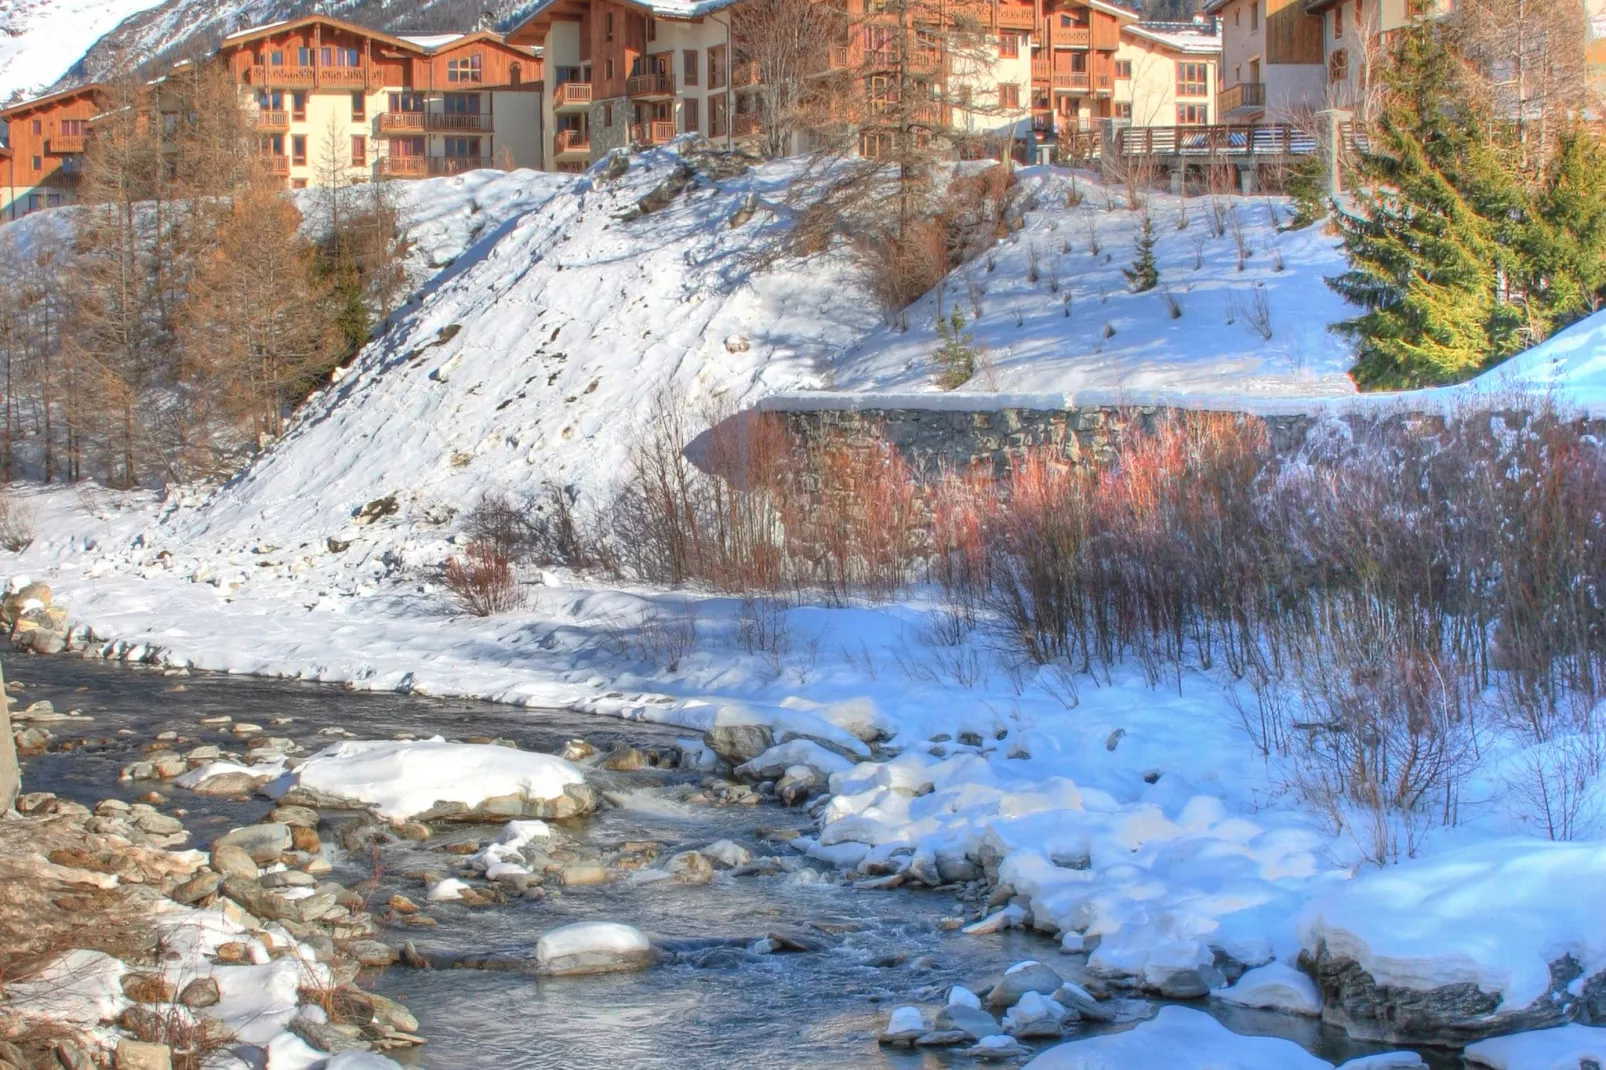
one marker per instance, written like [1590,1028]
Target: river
[713,1004]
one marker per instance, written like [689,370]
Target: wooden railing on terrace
[1242,95]
[651,84]
[60,143]
[571,140]
[455,122]
[572,95]
[656,132]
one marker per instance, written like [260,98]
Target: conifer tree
[957,356]
[1564,248]
[1143,274]
[1426,236]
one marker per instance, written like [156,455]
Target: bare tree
[784,46]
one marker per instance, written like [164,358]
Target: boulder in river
[264,843]
[1020,979]
[588,947]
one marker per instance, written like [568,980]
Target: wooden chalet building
[41,158]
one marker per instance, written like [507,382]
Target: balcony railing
[746,124]
[456,165]
[273,120]
[570,140]
[300,77]
[1041,69]
[453,122]
[1016,18]
[276,165]
[281,75]
[404,166]
[420,166]
[1076,81]
[652,84]
[657,132]
[572,95]
[353,77]
[1071,36]
[1242,95]
[401,122]
[61,143]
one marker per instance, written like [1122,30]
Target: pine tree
[1565,246]
[957,356]
[1143,274]
[1426,239]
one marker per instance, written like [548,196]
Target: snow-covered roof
[431,40]
[1113,9]
[1196,41]
[50,98]
[666,9]
[250,31]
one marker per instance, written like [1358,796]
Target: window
[693,116]
[38,163]
[466,69]
[1123,110]
[688,66]
[463,148]
[1338,22]
[359,151]
[339,57]
[1193,115]
[718,116]
[1254,15]
[298,149]
[607,69]
[72,127]
[1193,79]
[35,202]
[1008,46]
[461,103]
[38,127]
[607,115]
[1008,95]
[407,102]
[652,29]
[1123,68]
[298,183]
[607,25]
[716,67]
[359,107]
[272,145]
[298,105]
[1338,66]
[276,58]
[303,57]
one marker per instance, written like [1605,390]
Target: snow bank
[1563,1048]
[78,988]
[402,779]
[1494,914]
[1179,1039]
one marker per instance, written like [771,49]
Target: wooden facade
[1292,35]
[45,140]
[323,53]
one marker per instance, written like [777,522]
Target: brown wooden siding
[1291,35]
[26,145]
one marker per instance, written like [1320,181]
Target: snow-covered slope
[1077,325]
[41,40]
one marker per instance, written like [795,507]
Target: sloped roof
[51,98]
[1192,41]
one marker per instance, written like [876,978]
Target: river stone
[996,1049]
[147,988]
[197,887]
[690,867]
[738,743]
[265,904]
[391,1016]
[201,992]
[234,783]
[371,953]
[577,800]
[264,843]
[327,1036]
[138,1055]
[727,854]
[1034,1016]
[1080,1001]
[903,1028]
[588,947]
[295,816]
[288,878]
[579,876]
[1195,983]
[800,784]
[971,1021]
[1449,1015]
[233,861]
[1027,977]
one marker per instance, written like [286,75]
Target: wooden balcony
[1016,18]
[456,165]
[448,122]
[569,142]
[1248,96]
[654,85]
[1071,81]
[657,132]
[1042,69]
[404,166]
[281,76]
[746,124]
[572,96]
[1071,36]
[273,120]
[343,77]
[276,165]
[400,123]
[58,144]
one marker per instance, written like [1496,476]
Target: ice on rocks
[960,996]
[1178,1039]
[403,779]
[593,947]
[448,890]
[1275,986]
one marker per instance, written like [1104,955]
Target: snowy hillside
[41,40]
[1076,325]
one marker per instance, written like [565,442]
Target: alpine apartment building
[578,78]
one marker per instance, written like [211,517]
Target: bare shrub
[1198,243]
[1092,236]
[1172,305]
[661,637]
[16,525]
[974,291]
[1551,781]
[1182,215]
[495,521]
[900,266]
[1218,217]
[1031,263]
[1257,312]
[762,629]
[1240,239]
[483,579]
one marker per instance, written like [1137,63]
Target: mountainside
[42,41]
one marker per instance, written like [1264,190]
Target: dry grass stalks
[483,579]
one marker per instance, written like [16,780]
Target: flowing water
[714,1003]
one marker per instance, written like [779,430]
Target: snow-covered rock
[1566,1047]
[1179,1039]
[431,779]
[586,947]
[1275,986]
